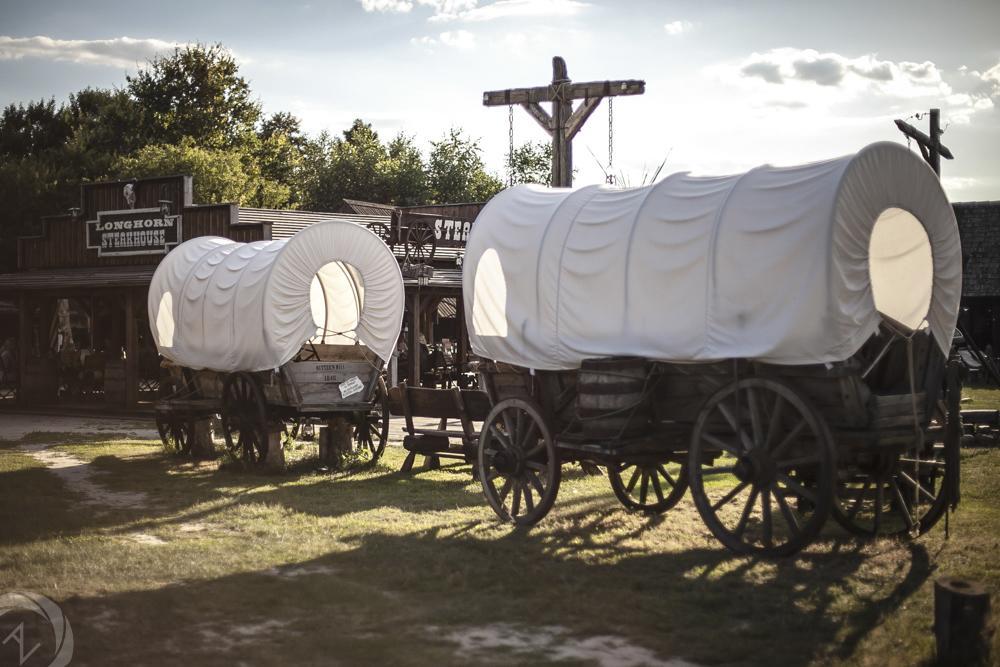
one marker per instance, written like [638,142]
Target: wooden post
[564,122]
[131,353]
[202,445]
[961,622]
[930,147]
[275,457]
[334,441]
[935,147]
[23,343]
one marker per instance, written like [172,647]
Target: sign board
[140,231]
[449,232]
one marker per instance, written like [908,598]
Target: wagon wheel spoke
[766,524]
[735,491]
[786,511]
[745,516]
[737,427]
[787,453]
[901,504]
[633,479]
[756,426]
[666,475]
[631,483]
[515,443]
[774,427]
[919,487]
[724,446]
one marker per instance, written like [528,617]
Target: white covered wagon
[274,331]
[786,333]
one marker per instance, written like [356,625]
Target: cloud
[678,27]
[116,52]
[470,11]
[458,39]
[770,72]
[382,6]
[866,72]
[824,71]
[960,182]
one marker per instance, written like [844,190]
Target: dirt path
[13,427]
[81,477]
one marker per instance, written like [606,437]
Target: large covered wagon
[778,340]
[271,332]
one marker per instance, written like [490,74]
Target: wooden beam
[580,116]
[922,139]
[572,91]
[131,353]
[24,316]
[540,115]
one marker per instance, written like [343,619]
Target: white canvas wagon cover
[784,265]
[228,306]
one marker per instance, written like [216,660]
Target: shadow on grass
[396,599]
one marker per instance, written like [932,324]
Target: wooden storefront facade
[75,329]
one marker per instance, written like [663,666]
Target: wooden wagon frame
[788,333]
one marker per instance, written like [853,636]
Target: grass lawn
[194,564]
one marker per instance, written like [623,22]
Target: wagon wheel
[760,452]
[176,434]
[518,464]
[371,430]
[383,231]
[244,419]
[652,488]
[893,494]
[420,244]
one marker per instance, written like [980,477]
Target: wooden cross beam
[930,146]
[564,122]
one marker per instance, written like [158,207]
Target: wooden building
[979,227]
[73,323]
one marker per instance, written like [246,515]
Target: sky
[729,84]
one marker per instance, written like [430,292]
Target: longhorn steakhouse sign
[140,231]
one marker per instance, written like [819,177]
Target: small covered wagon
[272,332]
[776,340]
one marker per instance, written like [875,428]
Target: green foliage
[219,175]
[195,92]
[191,112]
[456,173]
[532,163]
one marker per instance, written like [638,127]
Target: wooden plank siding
[63,242]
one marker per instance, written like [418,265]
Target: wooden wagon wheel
[761,468]
[652,488]
[383,231]
[371,430]
[244,419]
[176,434]
[300,427]
[420,243]
[518,464]
[893,494]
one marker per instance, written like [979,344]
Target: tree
[219,175]
[195,92]
[404,173]
[532,163]
[456,172]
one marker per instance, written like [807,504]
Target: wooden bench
[466,406]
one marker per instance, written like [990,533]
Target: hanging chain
[611,141]
[510,137]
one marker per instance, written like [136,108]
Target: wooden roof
[81,278]
[284,223]
[979,228]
